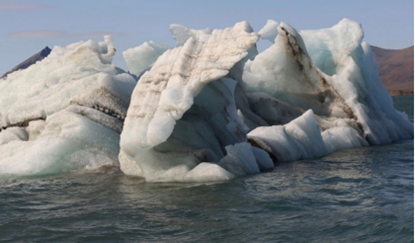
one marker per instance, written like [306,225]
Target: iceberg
[172,119]
[210,109]
[338,80]
[65,112]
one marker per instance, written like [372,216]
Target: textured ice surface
[269,31]
[240,159]
[285,71]
[210,109]
[153,138]
[333,73]
[340,53]
[65,112]
[139,58]
[69,75]
[181,34]
[65,142]
[299,139]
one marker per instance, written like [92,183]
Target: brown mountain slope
[396,68]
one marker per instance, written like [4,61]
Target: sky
[27,26]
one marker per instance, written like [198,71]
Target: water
[360,195]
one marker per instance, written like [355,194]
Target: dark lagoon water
[359,195]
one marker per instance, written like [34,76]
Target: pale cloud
[24,6]
[92,35]
[55,33]
[37,34]
[261,11]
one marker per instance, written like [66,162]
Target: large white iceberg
[210,109]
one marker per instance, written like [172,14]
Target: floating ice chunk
[269,31]
[190,113]
[139,58]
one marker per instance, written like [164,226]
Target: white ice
[299,139]
[333,73]
[339,52]
[181,34]
[269,31]
[65,142]
[65,112]
[210,109]
[161,99]
[140,58]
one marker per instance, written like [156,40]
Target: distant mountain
[396,69]
[30,61]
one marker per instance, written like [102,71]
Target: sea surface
[359,195]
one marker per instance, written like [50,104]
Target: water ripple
[364,195]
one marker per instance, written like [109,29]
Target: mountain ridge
[396,69]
